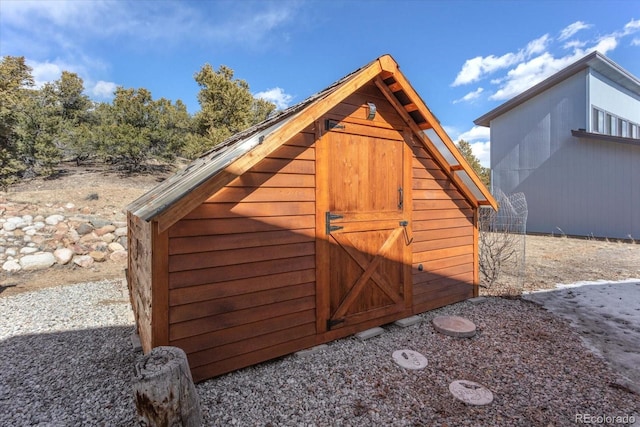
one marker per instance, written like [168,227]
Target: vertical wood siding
[443,238]
[242,266]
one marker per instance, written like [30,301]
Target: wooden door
[365,228]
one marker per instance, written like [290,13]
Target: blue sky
[463,57]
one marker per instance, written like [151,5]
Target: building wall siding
[573,186]
[613,98]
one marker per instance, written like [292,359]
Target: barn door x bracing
[365,224]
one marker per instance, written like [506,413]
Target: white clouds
[606,44]
[536,46]
[474,134]
[470,96]
[479,67]
[572,29]
[54,35]
[103,90]
[482,150]
[537,60]
[44,72]
[476,68]
[47,72]
[137,23]
[574,44]
[254,27]
[478,138]
[529,73]
[631,27]
[61,13]
[276,95]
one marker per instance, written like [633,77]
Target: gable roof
[175,197]
[595,60]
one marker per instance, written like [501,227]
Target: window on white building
[611,129]
[623,128]
[609,124]
[598,121]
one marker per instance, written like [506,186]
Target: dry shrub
[502,243]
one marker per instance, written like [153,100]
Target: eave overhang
[602,137]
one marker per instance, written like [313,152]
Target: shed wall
[140,277]
[242,277]
[241,266]
[443,233]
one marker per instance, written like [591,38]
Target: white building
[571,144]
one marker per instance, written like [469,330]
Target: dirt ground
[549,260]
[105,193]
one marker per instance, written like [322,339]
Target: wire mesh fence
[502,244]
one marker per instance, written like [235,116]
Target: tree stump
[163,389]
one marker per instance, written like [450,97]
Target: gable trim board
[237,258]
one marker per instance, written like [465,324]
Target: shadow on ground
[80,377]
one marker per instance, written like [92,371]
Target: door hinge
[333,322]
[332,124]
[328,227]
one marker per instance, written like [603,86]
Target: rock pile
[70,237]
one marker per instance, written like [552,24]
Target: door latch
[404,225]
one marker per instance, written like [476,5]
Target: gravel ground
[66,359]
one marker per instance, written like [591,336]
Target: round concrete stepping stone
[454,326]
[409,359]
[471,392]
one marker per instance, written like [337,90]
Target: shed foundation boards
[323,221]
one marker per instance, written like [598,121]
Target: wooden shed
[347,211]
